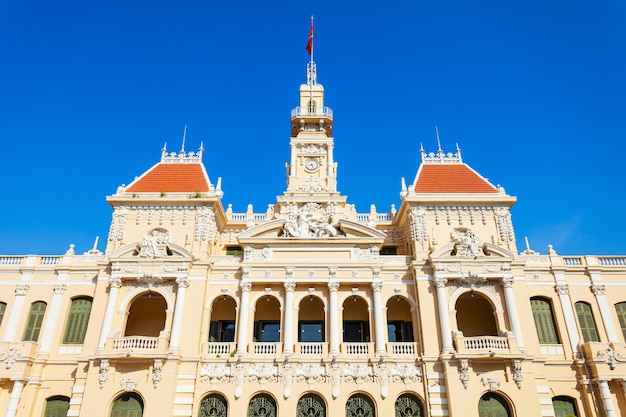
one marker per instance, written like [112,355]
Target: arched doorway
[356,325]
[360,405]
[267,320]
[311,405]
[222,325]
[399,320]
[127,405]
[475,315]
[408,405]
[493,405]
[311,320]
[146,315]
[262,405]
[213,405]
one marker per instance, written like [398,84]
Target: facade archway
[475,315]
[564,406]
[311,405]
[262,405]
[57,406]
[356,321]
[409,405]
[129,404]
[146,315]
[311,319]
[213,405]
[492,404]
[223,316]
[360,405]
[399,320]
[267,319]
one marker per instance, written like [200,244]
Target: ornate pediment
[343,230]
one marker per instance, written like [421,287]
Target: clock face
[311,164]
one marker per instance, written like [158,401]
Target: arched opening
[312,106]
[399,320]
[146,315]
[129,404]
[408,405]
[311,405]
[474,315]
[262,405]
[222,325]
[360,405]
[356,327]
[564,406]
[213,405]
[267,320]
[311,320]
[35,320]
[57,406]
[493,405]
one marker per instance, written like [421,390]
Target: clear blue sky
[533,92]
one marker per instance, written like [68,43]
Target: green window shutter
[492,405]
[35,320]
[57,406]
[544,321]
[564,407]
[3,307]
[77,321]
[620,308]
[128,405]
[586,322]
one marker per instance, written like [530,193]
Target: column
[14,399]
[570,319]
[244,311]
[333,325]
[509,298]
[51,318]
[288,335]
[177,321]
[16,312]
[605,311]
[444,318]
[379,321]
[114,285]
[607,400]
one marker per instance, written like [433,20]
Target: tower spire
[311,71]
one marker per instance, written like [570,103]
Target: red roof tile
[451,178]
[172,178]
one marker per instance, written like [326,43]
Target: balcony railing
[316,112]
[401,348]
[266,348]
[136,343]
[218,348]
[311,348]
[491,345]
[356,348]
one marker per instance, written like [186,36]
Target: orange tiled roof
[451,178]
[172,178]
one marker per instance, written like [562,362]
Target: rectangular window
[356,331]
[77,321]
[400,331]
[222,331]
[234,250]
[35,320]
[267,331]
[311,331]
[544,321]
[586,322]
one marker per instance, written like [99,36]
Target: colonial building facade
[311,308]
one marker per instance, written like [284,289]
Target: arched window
[564,406]
[620,309]
[544,321]
[312,106]
[76,325]
[493,405]
[360,405]
[586,322]
[262,405]
[35,319]
[57,406]
[311,405]
[408,405]
[127,405]
[213,405]
[3,307]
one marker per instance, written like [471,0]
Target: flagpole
[312,40]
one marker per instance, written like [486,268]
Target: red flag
[309,45]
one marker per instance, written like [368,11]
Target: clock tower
[311,171]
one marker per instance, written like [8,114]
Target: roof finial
[439,151]
[182,149]
[164,151]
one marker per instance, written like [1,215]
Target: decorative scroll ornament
[464,372]
[250,253]
[239,377]
[206,228]
[116,233]
[383,378]
[129,384]
[505,226]
[10,356]
[406,372]
[59,289]
[516,370]
[466,243]
[157,372]
[373,253]
[215,373]
[311,373]
[21,289]
[598,289]
[310,221]
[287,377]
[611,355]
[358,373]
[263,373]
[418,225]
[183,282]
[492,384]
[335,379]
[154,244]
[103,373]
[562,289]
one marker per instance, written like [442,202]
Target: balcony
[486,346]
[18,357]
[357,348]
[325,113]
[218,349]
[266,348]
[136,347]
[402,348]
[312,348]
